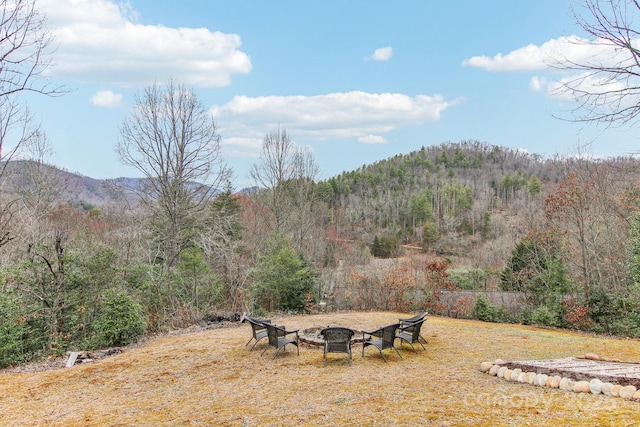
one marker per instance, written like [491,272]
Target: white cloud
[242,147]
[532,57]
[333,116]
[537,84]
[100,41]
[106,98]
[382,54]
[372,139]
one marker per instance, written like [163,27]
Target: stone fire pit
[312,335]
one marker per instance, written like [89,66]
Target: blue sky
[356,81]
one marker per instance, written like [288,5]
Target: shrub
[12,331]
[544,316]
[119,321]
[483,310]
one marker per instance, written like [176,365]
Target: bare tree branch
[605,84]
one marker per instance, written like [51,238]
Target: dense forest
[561,233]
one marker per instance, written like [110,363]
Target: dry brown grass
[210,378]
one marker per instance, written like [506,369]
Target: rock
[542,379]
[615,390]
[526,378]
[582,387]
[533,378]
[591,356]
[507,374]
[521,377]
[498,361]
[566,384]
[485,366]
[515,373]
[555,381]
[636,396]
[627,392]
[494,370]
[501,371]
[549,381]
[606,389]
[595,385]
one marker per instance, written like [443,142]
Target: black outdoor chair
[410,333]
[278,338]
[258,329]
[405,324]
[337,340]
[384,338]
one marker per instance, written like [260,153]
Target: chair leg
[248,342]
[278,351]
[397,352]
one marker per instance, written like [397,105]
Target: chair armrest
[285,332]
[376,333]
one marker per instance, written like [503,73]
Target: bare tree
[606,83]
[25,54]
[173,141]
[276,166]
[285,174]
[42,186]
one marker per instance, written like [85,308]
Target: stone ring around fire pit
[312,335]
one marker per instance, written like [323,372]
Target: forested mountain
[425,197]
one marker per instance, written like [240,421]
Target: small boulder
[494,370]
[542,380]
[615,390]
[627,392]
[515,374]
[533,378]
[507,374]
[555,381]
[501,371]
[549,381]
[485,366]
[582,387]
[606,389]
[595,385]
[591,356]
[566,384]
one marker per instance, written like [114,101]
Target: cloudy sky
[356,81]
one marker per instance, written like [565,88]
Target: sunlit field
[211,378]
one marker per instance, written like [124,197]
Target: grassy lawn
[210,378]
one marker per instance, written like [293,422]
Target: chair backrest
[388,335]
[273,333]
[337,338]
[415,318]
[415,329]
[257,324]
